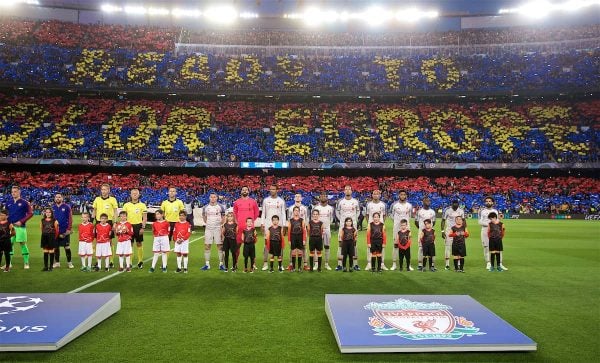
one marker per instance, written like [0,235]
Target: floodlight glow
[135,10]
[248,15]
[9,3]
[412,15]
[108,8]
[186,13]
[158,11]
[221,14]
[376,15]
[539,9]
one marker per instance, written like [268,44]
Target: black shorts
[459,249]
[275,248]
[230,244]
[376,246]
[171,229]
[65,241]
[496,244]
[296,242]
[48,241]
[429,249]
[315,243]
[137,236]
[348,248]
[249,250]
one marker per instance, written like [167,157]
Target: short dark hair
[275,217]
[492,215]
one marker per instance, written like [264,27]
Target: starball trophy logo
[415,320]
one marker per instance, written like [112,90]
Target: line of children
[6,232]
[316,233]
[376,240]
[459,233]
[181,235]
[230,245]
[275,243]
[427,242]
[402,242]
[49,226]
[161,245]
[86,242]
[249,240]
[124,232]
[496,234]
[297,237]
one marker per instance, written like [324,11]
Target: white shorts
[124,248]
[103,249]
[161,244]
[86,248]
[485,240]
[182,248]
[212,235]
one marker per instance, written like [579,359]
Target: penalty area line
[95,282]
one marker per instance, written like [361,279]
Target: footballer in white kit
[273,205]
[424,214]
[348,207]
[484,221]
[213,214]
[376,206]
[325,216]
[401,210]
[448,221]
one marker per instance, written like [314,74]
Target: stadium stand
[512,194]
[468,131]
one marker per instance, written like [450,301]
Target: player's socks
[127,261]
[498,259]
[45,260]
[373,262]
[327,253]
[51,260]
[154,260]
[179,258]
[164,260]
[319,262]
[207,257]
[486,254]
[299,262]
[121,261]
[185,262]
[280,263]
[89,262]
[456,263]
[25,253]
[311,260]
[379,262]
[462,263]
[271,263]
[221,256]
[57,254]
[293,263]
[68,254]
[83,262]
[140,254]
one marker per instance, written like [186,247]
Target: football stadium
[324,181]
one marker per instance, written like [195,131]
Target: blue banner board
[34,322]
[419,323]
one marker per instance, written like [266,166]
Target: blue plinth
[419,323]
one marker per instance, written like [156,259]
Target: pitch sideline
[81,288]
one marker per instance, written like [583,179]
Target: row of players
[246,208]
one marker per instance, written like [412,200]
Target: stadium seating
[512,194]
[470,131]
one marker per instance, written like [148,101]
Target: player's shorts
[212,235]
[5,245]
[459,249]
[249,250]
[296,242]
[182,248]
[63,242]
[485,240]
[48,241]
[315,243]
[429,249]
[103,249]
[327,237]
[275,248]
[124,248]
[376,246]
[20,234]
[161,244]
[137,236]
[496,244]
[171,229]
[86,248]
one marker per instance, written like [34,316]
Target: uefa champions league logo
[16,304]
[415,320]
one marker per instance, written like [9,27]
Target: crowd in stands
[372,72]
[469,131]
[141,38]
[512,194]
[385,39]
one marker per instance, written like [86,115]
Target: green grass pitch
[551,293]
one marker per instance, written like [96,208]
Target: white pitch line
[116,273]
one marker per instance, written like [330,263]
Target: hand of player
[178,241]
[18,223]
[68,232]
